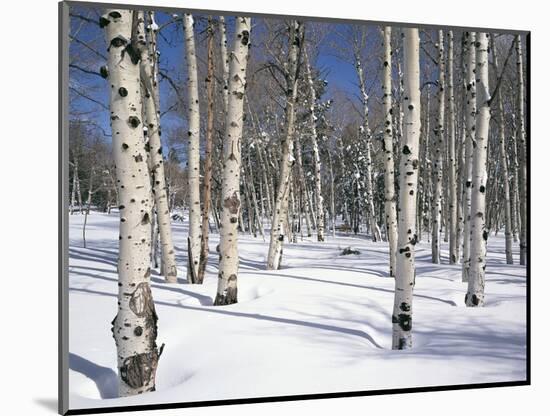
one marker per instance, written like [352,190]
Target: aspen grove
[321,180]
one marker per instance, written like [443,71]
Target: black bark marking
[233,203]
[104,71]
[134,121]
[145,220]
[136,371]
[141,300]
[405,307]
[406,150]
[404,320]
[123,92]
[245,37]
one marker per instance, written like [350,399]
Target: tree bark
[470,115]
[478,231]
[154,148]
[504,172]
[229,256]
[135,325]
[390,197]
[193,153]
[316,158]
[451,137]
[207,180]
[522,155]
[408,183]
[366,135]
[280,212]
[438,157]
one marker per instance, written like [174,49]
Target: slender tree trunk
[154,148]
[479,234]
[193,153]
[390,197]
[522,155]
[316,158]
[438,158]
[470,115]
[229,256]
[408,178]
[88,204]
[504,172]
[332,203]
[275,253]
[366,136]
[452,153]
[207,181]
[135,325]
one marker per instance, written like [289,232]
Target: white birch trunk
[280,211]
[408,183]
[193,153]
[316,158]
[504,172]
[478,232]
[438,157]
[522,155]
[390,197]
[470,115]
[207,182]
[135,325]
[229,256]
[225,62]
[366,136]
[155,157]
[451,137]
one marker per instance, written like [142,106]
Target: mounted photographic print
[261,207]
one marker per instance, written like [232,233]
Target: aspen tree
[438,158]
[522,154]
[470,115]
[280,211]
[389,179]
[154,148]
[316,157]
[366,136]
[207,180]
[229,255]
[224,62]
[408,183]
[452,154]
[135,325]
[478,231]
[504,170]
[193,152]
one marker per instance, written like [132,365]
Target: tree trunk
[522,155]
[135,325]
[229,256]
[366,136]
[478,232]
[438,157]
[316,158]
[280,212]
[193,153]
[390,197]
[207,181]
[154,148]
[408,178]
[470,115]
[504,172]
[452,154]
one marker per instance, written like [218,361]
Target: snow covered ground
[320,324]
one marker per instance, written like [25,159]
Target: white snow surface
[321,324]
